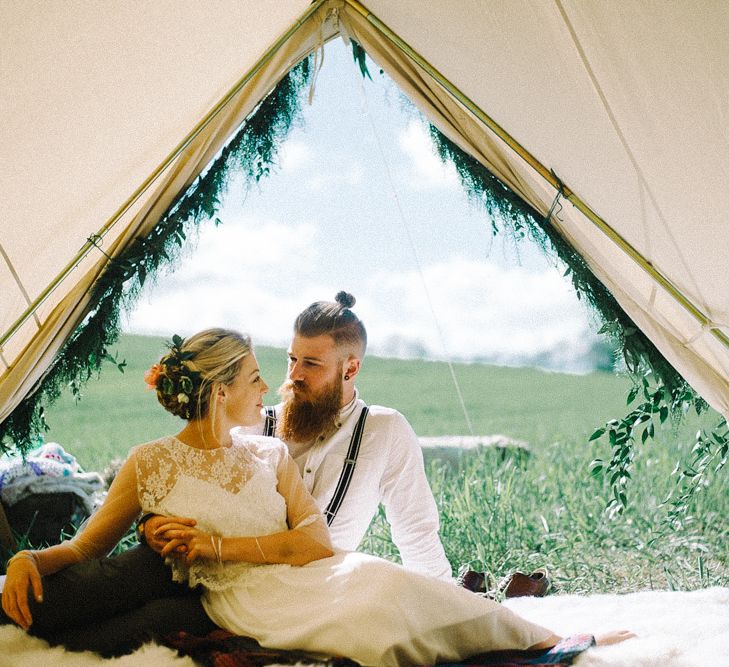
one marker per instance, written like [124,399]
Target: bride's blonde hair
[190,372]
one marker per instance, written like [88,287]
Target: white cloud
[239,276]
[295,155]
[329,178]
[482,311]
[245,244]
[249,307]
[425,169]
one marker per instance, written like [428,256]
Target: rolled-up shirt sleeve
[409,504]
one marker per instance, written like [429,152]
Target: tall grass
[496,514]
[546,511]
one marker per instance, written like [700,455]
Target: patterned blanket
[223,649]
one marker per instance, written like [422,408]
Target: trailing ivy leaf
[597,434]
[360,57]
[596,468]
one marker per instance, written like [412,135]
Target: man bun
[345,299]
[335,319]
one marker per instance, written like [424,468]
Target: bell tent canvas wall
[111,109]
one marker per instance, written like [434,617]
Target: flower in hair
[175,376]
[152,376]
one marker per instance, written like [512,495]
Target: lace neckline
[174,438]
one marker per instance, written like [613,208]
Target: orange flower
[152,376]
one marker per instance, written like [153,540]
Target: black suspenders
[269,427]
[350,461]
[347,469]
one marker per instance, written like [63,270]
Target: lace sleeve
[109,523]
[302,512]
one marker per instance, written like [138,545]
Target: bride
[260,546]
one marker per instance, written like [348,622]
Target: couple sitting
[267,529]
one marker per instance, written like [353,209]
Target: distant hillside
[116,410]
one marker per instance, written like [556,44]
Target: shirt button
[308,471]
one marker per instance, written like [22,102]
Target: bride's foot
[614,637]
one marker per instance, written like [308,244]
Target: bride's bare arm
[306,540]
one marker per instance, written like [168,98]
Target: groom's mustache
[290,387]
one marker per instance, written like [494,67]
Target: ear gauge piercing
[346,377]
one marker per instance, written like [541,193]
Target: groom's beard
[304,417]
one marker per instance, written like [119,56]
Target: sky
[360,201]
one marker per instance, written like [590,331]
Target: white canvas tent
[110,109]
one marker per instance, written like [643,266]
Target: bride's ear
[219,392]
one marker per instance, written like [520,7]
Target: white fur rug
[675,630]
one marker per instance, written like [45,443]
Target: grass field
[499,515]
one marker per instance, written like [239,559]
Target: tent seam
[19,282]
[623,140]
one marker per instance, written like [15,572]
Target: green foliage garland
[252,152]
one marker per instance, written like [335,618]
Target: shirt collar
[348,409]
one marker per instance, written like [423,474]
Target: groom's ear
[351,366]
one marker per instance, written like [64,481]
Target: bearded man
[353,458]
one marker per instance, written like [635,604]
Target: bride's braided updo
[184,377]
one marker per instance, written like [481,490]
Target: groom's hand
[155,533]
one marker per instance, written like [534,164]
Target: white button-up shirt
[389,471]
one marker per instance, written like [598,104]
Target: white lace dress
[352,604]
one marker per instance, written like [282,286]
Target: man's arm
[409,504]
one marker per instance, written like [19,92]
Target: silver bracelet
[215,551]
[259,549]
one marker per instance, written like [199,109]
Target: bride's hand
[188,543]
[155,527]
[22,575]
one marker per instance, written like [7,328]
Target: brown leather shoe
[472,580]
[519,584]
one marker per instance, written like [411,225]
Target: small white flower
[183,398]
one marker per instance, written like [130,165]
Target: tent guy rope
[404,222]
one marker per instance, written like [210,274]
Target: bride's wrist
[216,541]
[25,554]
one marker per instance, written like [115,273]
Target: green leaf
[596,467]
[597,434]
[360,57]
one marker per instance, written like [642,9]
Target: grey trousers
[113,605]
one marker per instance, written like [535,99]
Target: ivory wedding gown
[354,605]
